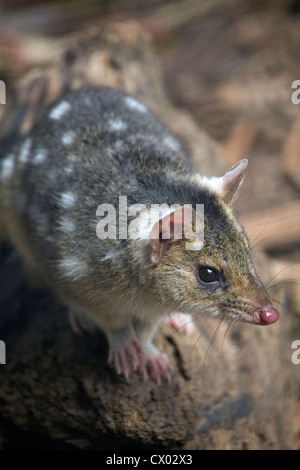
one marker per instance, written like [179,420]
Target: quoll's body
[92,147]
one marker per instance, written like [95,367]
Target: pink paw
[181,322]
[155,364]
[147,360]
[122,359]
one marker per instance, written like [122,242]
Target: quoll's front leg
[127,352]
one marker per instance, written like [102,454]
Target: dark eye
[208,275]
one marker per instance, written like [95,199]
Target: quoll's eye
[208,275]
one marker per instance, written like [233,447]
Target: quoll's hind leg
[128,352]
[124,348]
[80,321]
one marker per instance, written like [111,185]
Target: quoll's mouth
[265,316]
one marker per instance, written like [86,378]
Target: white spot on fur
[68,137]
[59,110]
[25,150]
[109,151]
[119,145]
[134,104]
[110,255]
[89,201]
[67,199]
[88,101]
[69,169]
[112,186]
[171,142]
[7,168]
[116,125]
[66,225]
[72,157]
[40,156]
[72,267]
[172,175]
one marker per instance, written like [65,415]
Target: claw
[147,361]
[159,366]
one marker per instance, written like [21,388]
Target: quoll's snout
[265,315]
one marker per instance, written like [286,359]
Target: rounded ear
[227,186]
[167,229]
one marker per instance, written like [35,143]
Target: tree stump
[232,387]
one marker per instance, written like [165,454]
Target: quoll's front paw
[147,360]
[155,364]
[181,322]
[125,357]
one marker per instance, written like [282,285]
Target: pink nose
[265,316]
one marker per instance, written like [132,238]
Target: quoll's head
[219,279]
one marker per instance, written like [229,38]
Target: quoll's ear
[167,229]
[227,186]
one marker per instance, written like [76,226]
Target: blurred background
[229,63]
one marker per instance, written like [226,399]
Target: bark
[233,388]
